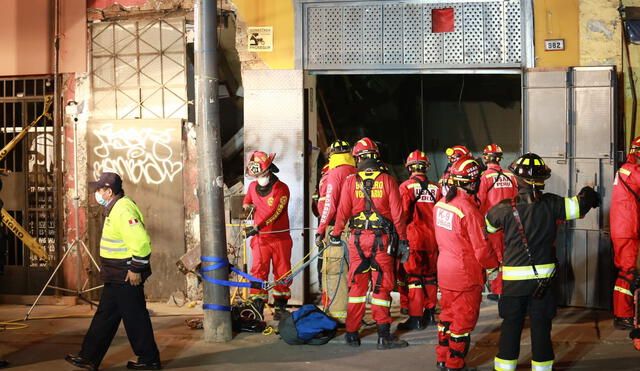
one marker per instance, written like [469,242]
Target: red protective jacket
[464,249]
[271,212]
[419,210]
[495,187]
[385,197]
[322,190]
[332,185]
[625,208]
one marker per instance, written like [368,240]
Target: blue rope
[223,263]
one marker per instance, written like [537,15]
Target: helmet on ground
[635,145]
[418,161]
[259,163]
[492,152]
[456,152]
[365,147]
[531,168]
[464,171]
[340,146]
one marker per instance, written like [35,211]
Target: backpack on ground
[307,325]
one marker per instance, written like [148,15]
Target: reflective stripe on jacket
[125,244]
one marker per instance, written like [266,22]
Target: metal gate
[569,119]
[399,34]
[29,194]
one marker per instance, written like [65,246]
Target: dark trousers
[121,302]
[513,310]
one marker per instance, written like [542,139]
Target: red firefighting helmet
[418,160]
[259,163]
[464,171]
[635,145]
[340,146]
[456,152]
[365,146]
[531,168]
[492,152]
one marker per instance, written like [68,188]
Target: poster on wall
[147,154]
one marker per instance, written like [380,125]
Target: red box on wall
[442,20]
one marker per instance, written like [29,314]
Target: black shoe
[440,366]
[429,316]
[131,365]
[404,311]
[413,323]
[493,297]
[80,362]
[352,339]
[386,341]
[623,323]
[280,308]
[3,363]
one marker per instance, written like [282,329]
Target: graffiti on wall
[142,155]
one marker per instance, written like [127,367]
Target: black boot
[413,323]
[625,323]
[280,306]
[386,341]
[352,339]
[428,317]
[440,366]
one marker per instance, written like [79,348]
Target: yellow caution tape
[22,234]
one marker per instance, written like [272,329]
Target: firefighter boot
[440,366]
[280,308]
[623,323]
[386,341]
[413,323]
[352,339]
[428,317]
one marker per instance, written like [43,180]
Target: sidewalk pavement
[583,340]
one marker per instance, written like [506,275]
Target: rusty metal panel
[148,156]
[273,122]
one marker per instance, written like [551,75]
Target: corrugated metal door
[569,120]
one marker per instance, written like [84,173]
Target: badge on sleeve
[133,222]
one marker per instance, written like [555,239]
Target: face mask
[263,180]
[101,200]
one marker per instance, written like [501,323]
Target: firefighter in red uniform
[453,154]
[418,274]
[625,234]
[464,255]
[370,201]
[272,242]
[496,185]
[335,291]
[317,204]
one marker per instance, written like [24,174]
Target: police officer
[125,251]
[529,222]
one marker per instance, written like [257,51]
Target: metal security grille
[392,34]
[138,69]
[28,187]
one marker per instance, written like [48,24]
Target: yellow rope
[15,324]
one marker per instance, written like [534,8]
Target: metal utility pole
[217,322]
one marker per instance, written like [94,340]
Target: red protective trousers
[275,249]
[417,277]
[460,311]
[359,282]
[496,241]
[625,253]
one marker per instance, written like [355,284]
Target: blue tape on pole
[223,263]
[224,308]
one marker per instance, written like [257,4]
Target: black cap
[108,180]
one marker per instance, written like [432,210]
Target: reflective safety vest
[125,244]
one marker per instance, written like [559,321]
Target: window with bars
[28,189]
[138,69]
